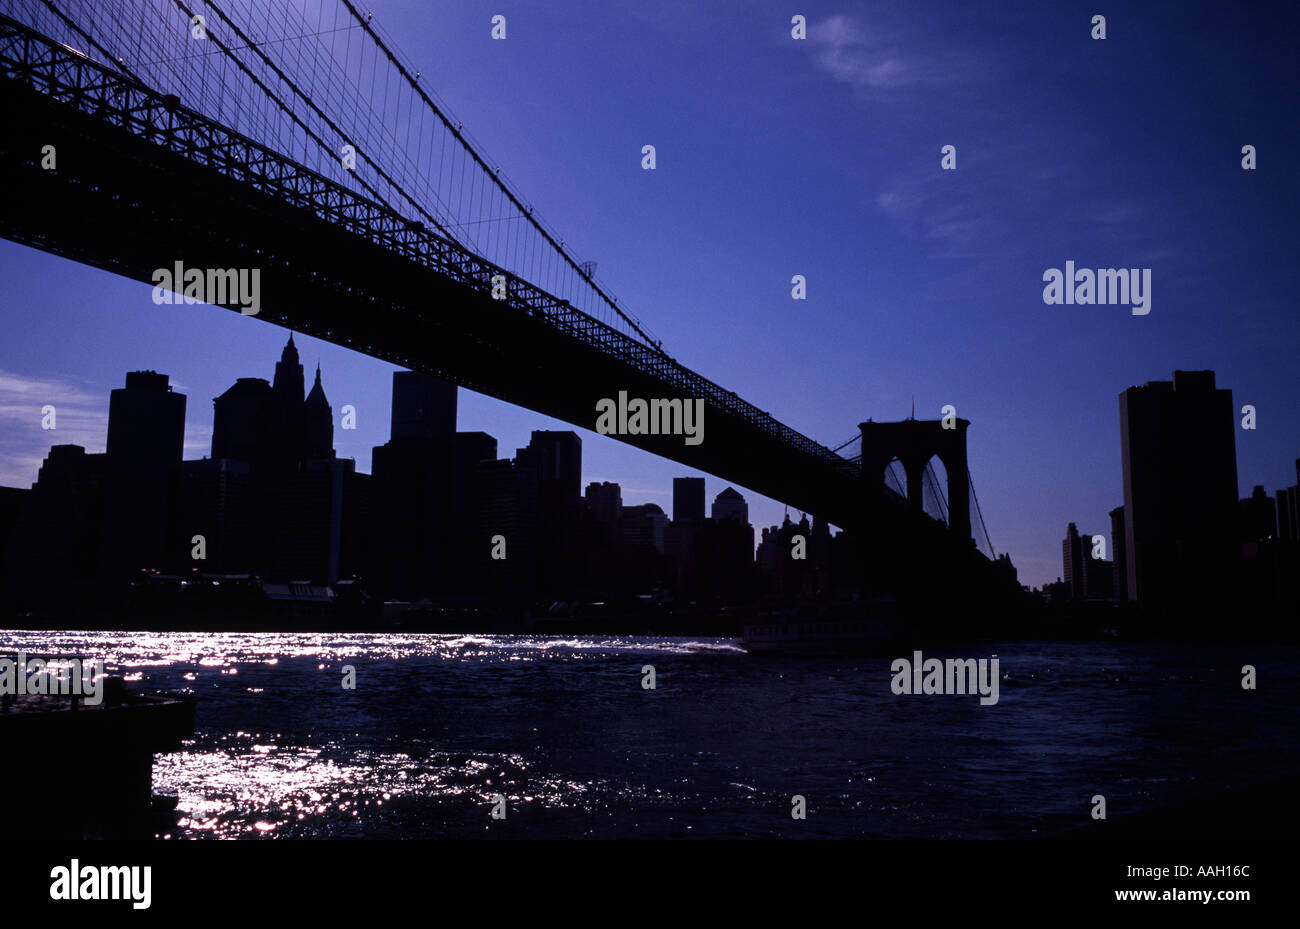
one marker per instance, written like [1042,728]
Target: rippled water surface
[439,725]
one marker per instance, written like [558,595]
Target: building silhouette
[1180,490]
[273,516]
[1086,577]
[1288,510]
[273,499]
[1072,557]
[725,551]
[1119,548]
[1258,516]
[216,503]
[412,490]
[730,505]
[243,427]
[57,551]
[688,500]
[146,440]
[470,451]
[548,474]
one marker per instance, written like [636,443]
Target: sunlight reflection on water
[439,726]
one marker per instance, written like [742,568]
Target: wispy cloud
[80,417]
[882,63]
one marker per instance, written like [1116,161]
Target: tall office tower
[641,529]
[724,549]
[1098,577]
[683,536]
[1072,557]
[56,548]
[469,568]
[1119,546]
[1180,490]
[549,472]
[605,502]
[242,421]
[216,503]
[688,499]
[309,510]
[287,400]
[599,538]
[311,491]
[316,436]
[731,505]
[424,407]
[146,438]
[499,514]
[1288,510]
[639,565]
[411,491]
[557,456]
[146,423]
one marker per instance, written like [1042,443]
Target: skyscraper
[215,503]
[1288,510]
[557,456]
[296,490]
[316,433]
[1180,489]
[605,502]
[242,421]
[731,505]
[287,399]
[146,438]
[411,489]
[468,451]
[549,476]
[58,546]
[423,406]
[1072,556]
[725,550]
[146,423]
[1119,542]
[688,499]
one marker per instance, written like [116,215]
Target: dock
[86,771]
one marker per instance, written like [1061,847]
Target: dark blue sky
[821,157]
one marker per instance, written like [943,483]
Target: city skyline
[924,285]
[414,417]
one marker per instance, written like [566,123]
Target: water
[439,725]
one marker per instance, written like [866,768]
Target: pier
[83,771]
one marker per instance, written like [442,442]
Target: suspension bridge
[294,138]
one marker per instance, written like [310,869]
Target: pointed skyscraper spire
[290,353]
[318,423]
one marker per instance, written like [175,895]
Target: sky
[821,157]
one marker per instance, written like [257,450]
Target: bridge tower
[914,442]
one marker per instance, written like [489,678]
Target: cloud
[880,63]
[926,207]
[80,418]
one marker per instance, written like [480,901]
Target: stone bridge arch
[914,442]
